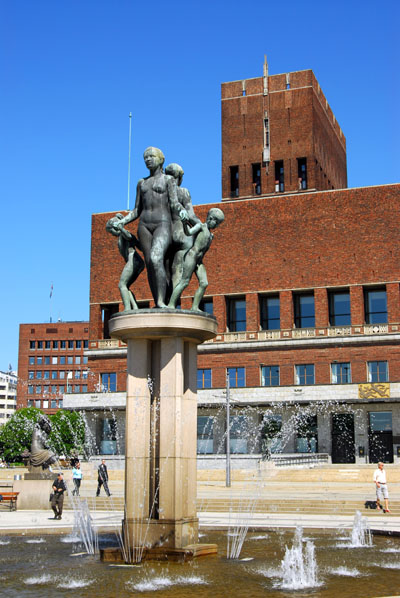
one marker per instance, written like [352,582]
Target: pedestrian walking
[76,478]
[57,500]
[381,488]
[102,478]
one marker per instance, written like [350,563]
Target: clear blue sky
[71,71]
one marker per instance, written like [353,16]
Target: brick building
[51,363]
[303,280]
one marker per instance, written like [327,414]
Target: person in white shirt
[381,488]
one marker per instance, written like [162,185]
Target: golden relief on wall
[374,390]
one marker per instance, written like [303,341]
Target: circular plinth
[161,323]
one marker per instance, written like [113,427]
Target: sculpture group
[171,237]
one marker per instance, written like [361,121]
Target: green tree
[16,434]
[67,432]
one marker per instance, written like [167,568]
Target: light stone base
[33,494]
[161,424]
[181,555]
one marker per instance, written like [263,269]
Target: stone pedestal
[161,424]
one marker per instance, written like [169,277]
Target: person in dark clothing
[102,478]
[57,501]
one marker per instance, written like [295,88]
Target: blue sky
[70,73]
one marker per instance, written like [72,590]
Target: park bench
[8,496]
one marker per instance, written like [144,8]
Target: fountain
[360,534]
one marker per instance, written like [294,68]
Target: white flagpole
[129,155]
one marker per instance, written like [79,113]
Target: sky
[71,72]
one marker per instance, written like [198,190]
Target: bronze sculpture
[41,455]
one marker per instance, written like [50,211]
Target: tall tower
[279,135]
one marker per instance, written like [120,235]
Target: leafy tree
[16,434]
[67,432]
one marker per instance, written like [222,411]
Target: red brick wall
[302,125]
[48,332]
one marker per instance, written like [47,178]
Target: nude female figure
[156,200]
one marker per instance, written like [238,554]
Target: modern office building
[8,395]
[51,363]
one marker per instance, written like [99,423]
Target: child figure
[193,259]
[134,263]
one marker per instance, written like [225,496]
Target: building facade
[303,280]
[51,363]
[8,395]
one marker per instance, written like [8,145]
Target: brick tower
[279,135]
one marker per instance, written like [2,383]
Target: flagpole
[129,155]
[51,296]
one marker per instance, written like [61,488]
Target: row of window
[54,389]
[62,360]
[279,177]
[7,406]
[58,344]
[55,374]
[375,310]
[377,371]
[45,403]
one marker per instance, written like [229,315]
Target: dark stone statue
[41,456]
[127,244]
[172,249]
[193,258]
[156,200]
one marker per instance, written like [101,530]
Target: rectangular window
[63,344]
[38,374]
[271,436]
[270,375]
[78,344]
[78,359]
[31,375]
[37,403]
[55,344]
[47,360]
[30,389]
[307,434]
[39,360]
[54,403]
[305,374]
[47,345]
[341,373]
[270,313]
[46,389]
[60,403]
[77,374]
[38,390]
[302,172]
[62,375]
[32,344]
[62,360]
[70,344]
[279,176]
[380,421]
[109,382]
[234,175]
[256,175]
[61,390]
[84,359]
[31,361]
[54,360]
[45,404]
[54,389]
[46,375]
[239,434]
[236,313]
[70,360]
[378,371]
[205,434]
[85,344]
[304,310]
[30,403]
[84,375]
[40,344]
[77,388]
[207,306]
[54,375]
[375,306]
[237,377]
[339,308]
[204,378]
[84,387]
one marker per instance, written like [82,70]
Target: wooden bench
[10,497]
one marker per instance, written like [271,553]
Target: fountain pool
[43,566]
